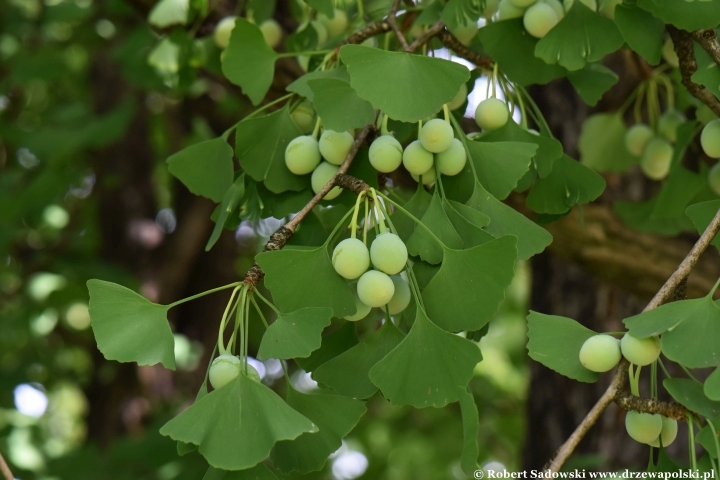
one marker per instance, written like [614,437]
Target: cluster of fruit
[601,353]
[710,142]
[305,154]
[655,148]
[540,16]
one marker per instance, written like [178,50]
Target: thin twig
[370,31]
[426,36]
[392,20]
[451,42]
[618,380]
[626,401]
[688,66]
[5,469]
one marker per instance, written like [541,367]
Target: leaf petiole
[207,292]
[414,219]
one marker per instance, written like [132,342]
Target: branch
[278,239]
[5,469]
[427,35]
[708,40]
[618,380]
[364,33]
[392,20]
[627,401]
[683,42]
[449,40]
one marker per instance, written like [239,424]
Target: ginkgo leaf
[248,61]
[499,165]
[686,15]
[581,36]
[128,327]
[421,243]
[592,82]
[235,427]
[556,341]
[260,145]
[642,31]
[602,143]
[471,428]
[429,368]
[339,106]
[416,206]
[702,214]
[323,6]
[689,393]
[335,417]
[230,203]
[305,278]
[504,220]
[258,472]
[301,86]
[708,72]
[413,87]
[296,334]
[347,374]
[570,183]
[205,168]
[468,222]
[467,291]
[333,344]
[169,12]
[711,387]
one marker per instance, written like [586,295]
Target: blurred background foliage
[86,123]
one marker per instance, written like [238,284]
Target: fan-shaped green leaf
[416,206]
[702,214]
[556,341]
[236,426]
[335,416]
[339,106]
[333,344]
[347,374]
[690,394]
[404,86]
[295,334]
[248,61]
[205,168]
[323,6]
[128,327]
[421,243]
[468,222]
[641,30]
[711,387]
[230,203]
[301,86]
[592,82]
[686,15]
[499,165]
[429,368]
[467,291]
[581,36]
[569,184]
[471,428]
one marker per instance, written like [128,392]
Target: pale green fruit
[436,135]
[334,146]
[361,310]
[522,3]
[714,178]
[710,139]
[375,288]
[272,33]
[321,176]
[656,159]
[459,99]
[452,161]
[591,4]
[465,33]
[385,154]
[643,427]
[669,123]
[667,434]
[507,10]
[428,178]
[223,370]
[540,19]
[557,6]
[401,298]
[336,25]
[607,8]
[252,374]
[321,30]
[640,351]
[304,117]
[637,137]
[491,114]
[302,155]
[491,8]
[669,54]
[416,159]
[388,253]
[351,258]
[223,29]
[600,353]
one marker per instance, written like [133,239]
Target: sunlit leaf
[169,12]
[686,15]
[295,334]
[499,165]
[301,86]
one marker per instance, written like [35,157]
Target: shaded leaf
[711,387]
[230,202]
[416,206]
[295,334]
[471,428]
[468,222]
[695,15]
[301,86]
[205,168]
[499,165]
[690,394]
[702,214]
[641,30]
[592,82]
[339,106]
[421,243]
[333,344]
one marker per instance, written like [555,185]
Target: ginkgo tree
[432,261]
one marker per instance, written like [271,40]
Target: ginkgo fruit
[491,114]
[710,139]
[361,310]
[375,288]
[714,178]
[321,176]
[540,19]
[637,137]
[321,31]
[272,32]
[452,161]
[522,3]
[416,159]
[388,253]
[669,123]
[223,370]
[557,6]
[336,25]
[491,8]
[401,298]
[428,178]
[656,158]
[351,258]
[222,32]
[303,116]
[640,351]
[600,353]
[465,33]
[669,53]
[334,146]
[667,434]
[643,427]
[507,10]
[302,155]
[436,135]
[385,154]
[459,99]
